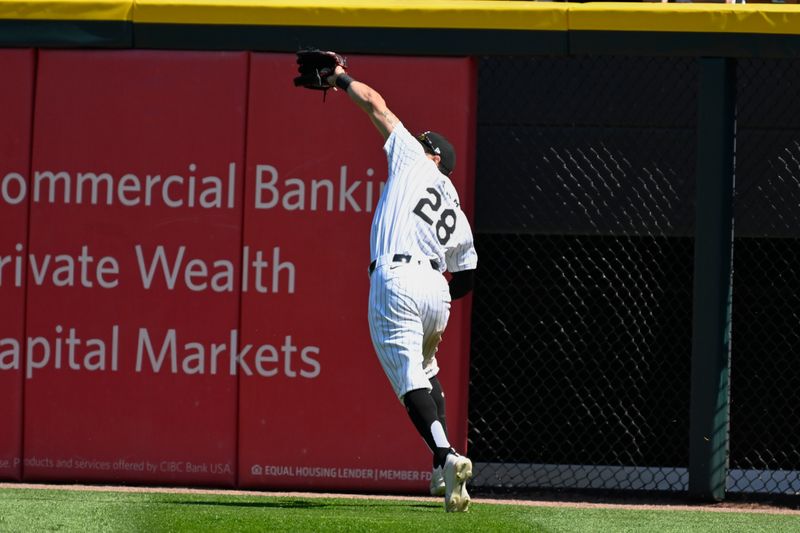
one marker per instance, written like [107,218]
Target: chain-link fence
[582,317]
[765,376]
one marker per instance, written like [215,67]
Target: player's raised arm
[367,99]
[323,70]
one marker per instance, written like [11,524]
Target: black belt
[403,258]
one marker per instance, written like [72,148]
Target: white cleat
[437,482]
[457,470]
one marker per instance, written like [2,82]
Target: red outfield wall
[196,271]
[16,101]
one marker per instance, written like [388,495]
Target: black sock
[422,410]
[438,397]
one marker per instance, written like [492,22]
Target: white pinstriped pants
[409,305]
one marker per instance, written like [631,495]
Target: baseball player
[418,232]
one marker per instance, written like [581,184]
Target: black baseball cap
[436,144]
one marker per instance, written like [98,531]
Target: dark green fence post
[708,432]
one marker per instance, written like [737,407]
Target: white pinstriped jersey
[419,212]
[419,218]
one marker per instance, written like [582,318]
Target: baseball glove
[315,66]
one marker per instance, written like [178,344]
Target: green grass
[89,511]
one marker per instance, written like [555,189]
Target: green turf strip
[88,511]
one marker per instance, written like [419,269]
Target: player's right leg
[435,312]
[449,477]
[397,332]
[422,410]
[438,398]
[451,471]
[437,485]
[406,321]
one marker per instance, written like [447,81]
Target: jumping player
[418,232]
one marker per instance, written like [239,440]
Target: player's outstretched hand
[317,68]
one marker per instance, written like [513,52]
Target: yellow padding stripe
[720,18]
[445,14]
[105,10]
[460,14]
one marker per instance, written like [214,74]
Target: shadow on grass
[303,504]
